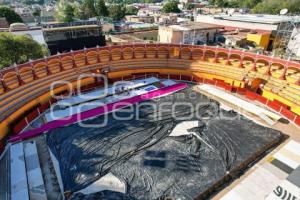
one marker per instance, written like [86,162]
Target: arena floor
[154,163]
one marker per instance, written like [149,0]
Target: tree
[89,9]
[116,12]
[248,3]
[19,49]
[65,12]
[171,7]
[190,6]
[36,14]
[274,6]
[101,8]
[131,10]
[10,15]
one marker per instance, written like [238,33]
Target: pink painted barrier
[96,112]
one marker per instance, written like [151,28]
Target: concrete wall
[168,35]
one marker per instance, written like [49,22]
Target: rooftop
[254,18]
[194,25]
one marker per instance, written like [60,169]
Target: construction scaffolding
[286,37]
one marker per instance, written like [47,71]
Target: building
[276,28]
[247,21]
[189,33]
[170,18]
[3,24]
[141,18]
[150,10]
[35,34]
[63,37]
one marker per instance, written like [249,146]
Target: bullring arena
[243,144]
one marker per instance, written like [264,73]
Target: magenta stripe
[96,112]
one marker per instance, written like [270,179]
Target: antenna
[284,11]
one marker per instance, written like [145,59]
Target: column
[203,55]
[60,64]
[268,72]
[122,54]
[133,53]
[21,82]
[254,66]
[216,57]
[179,56]
[298,82]
[33,71]
[282,77]
[4,86]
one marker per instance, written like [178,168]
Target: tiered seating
[34,174]
[26,179]
[275,85]
[292,93]
[12,100]
[217,69]
[18,179]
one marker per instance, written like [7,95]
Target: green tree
[10,15]
[36,14]
[89,9]
[248,3]
[190,6]
[171,7]
[19,49]
[65,12]
[274,6]
[116,12]
[131,10]
[101,8]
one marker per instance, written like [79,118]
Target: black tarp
[152,164]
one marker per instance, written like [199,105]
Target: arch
[40,69]
[67,62]
[26,74]
[248,58]
[11,80]
[277,66]
[79,59]
[127,53]
[92,57]
[139,52]
[222,57]
[197,54]
[235,56]
[104,55]
[262,62]
[151,52]
[248,62]
[293,74]
[54,65]
[209,55]
[174,52]
[163,52]
[186,53]
[116,54]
